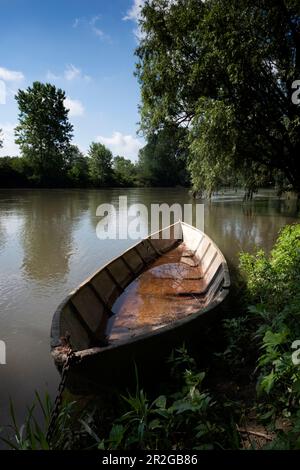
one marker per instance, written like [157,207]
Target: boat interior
[159,281]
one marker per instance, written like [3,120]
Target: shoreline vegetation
[82,173]
[245,397]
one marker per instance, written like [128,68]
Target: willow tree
[225,70]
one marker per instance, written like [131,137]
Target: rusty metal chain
[71,359]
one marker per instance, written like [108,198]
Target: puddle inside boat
[168,290]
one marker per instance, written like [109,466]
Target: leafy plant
[273,290]
[188,418]
[30,435]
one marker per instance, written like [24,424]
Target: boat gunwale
[220,296]
[83,353]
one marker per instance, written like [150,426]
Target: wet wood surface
[169,290]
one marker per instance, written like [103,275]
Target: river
[48,245]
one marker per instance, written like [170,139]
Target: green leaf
[116,434]
[161,402]
[268,382]
[155,424]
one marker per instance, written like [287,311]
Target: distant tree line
[49,159]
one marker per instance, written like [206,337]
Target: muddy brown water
[48,245]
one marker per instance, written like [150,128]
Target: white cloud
[91,24]
[87,78]
[72,72]
[97,31]
[52,76]
[124,145]
[75,107]
[134,12]
[76,22]
[10,75]
[9,147]
[2,92]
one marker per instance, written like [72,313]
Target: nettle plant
[273,291]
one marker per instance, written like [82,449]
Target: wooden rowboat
[158,293]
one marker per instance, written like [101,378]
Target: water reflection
[238,226]
[234,225]
[47,235]
[2,234]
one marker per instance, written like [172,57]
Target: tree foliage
[100,164]
[14,172]
[125,172]
[162,162]
[224,69]
[44,131]
[77,167]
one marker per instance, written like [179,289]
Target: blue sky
[85,47]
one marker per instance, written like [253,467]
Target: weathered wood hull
[109,332]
